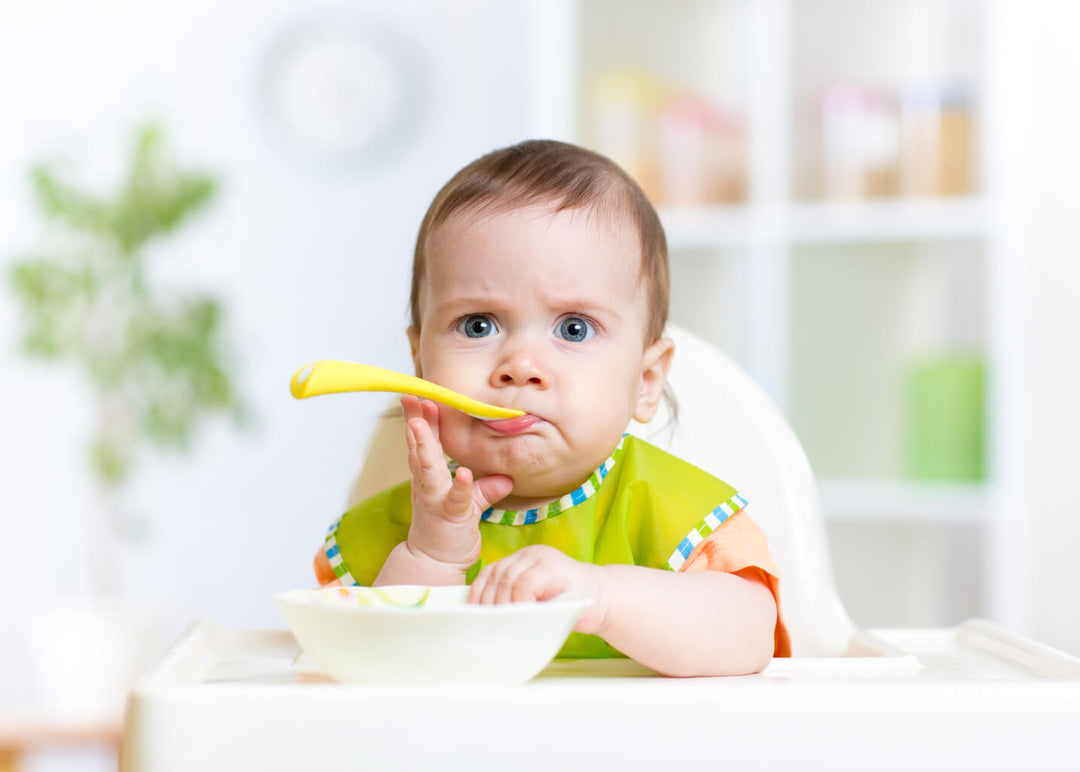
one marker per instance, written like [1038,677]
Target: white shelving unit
[824,301]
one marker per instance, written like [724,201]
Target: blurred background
[870,205]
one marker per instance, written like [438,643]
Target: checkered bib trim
[334,555]
[712,521]
[570,500]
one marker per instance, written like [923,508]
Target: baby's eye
[477,326]
[575,329]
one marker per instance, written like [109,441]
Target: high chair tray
[969,696]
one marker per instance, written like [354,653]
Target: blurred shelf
[889,220]
[949,503]
[719,226]
[704,227]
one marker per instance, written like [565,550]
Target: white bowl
[408,634]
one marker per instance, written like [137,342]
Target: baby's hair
[566,177]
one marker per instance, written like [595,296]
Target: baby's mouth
[513,425]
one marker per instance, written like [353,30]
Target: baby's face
[546,313]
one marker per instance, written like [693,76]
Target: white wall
[1046,31]
[312,261]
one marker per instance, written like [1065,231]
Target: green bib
[641,507]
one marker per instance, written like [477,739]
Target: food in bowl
[410,634]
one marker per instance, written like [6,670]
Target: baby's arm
[679,624]
[687,624]
[444,537]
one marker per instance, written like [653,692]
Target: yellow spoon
[333,376]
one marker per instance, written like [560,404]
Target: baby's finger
[430,412]
[459,499]
[491,585]
[483,587]
[428,450]
[490,489]
[410,406]
[478,584]
[433,474]
[514,582]
[414,461]
[485,579]
[500,579]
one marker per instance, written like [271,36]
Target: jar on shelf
[701,153]
[860,150]
[946,423]
[935,140]
[621,110]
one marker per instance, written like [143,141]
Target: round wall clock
[348,93]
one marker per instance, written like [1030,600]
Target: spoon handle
[333,376]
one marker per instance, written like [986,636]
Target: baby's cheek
[453,434]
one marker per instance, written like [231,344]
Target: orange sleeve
[324,574]
[740,547]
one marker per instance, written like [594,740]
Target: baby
[540,282]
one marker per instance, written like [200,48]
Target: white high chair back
[728,426]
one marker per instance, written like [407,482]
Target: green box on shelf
[946,424]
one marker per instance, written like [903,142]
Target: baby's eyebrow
[581,302]
[477,303]
[585,305]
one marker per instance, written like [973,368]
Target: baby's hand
[445,509]
[540,572]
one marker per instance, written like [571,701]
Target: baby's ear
[414,347]
[655,364]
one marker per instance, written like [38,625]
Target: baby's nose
[519,368]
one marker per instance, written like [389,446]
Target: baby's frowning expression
[545,312]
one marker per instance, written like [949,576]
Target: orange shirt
[739,547]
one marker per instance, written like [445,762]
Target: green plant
[152,356]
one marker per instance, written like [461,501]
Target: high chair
[970,696]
